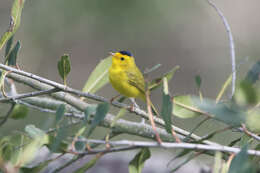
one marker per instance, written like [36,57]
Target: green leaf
[61,135]
[254,73]
[7,152]
[29,152]
[61,147]
[99,76]
[253,120]
[180,104]
[19,112]
[64,67]
[198,81]
[136,165]
[89,111]
[158,81]
[12,56]
[152,69]
[101,112]
[246,94]
[241,163]
[225,112]
[35,132]
[120,114]
[60,113]
[167,107]
[14,23]
[8,46]
[224,88]
[6,148]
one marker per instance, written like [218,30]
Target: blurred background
[171,32]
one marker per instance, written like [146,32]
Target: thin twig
[246,131]
[7,115]
[177,139]
[187,138]
[221,148]
[31,94]
[148,103]
[80,156]
[214,133]
[117,149]
[231,45]
[230,158]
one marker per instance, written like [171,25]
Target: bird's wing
[136,79]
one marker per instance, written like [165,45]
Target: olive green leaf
[64,67]
[19,112]
[167,107]
[136,165]
[15,20]
[101,112]
[158,81]
[99,76]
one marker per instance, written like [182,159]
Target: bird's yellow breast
[119,80]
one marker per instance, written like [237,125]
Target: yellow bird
[128,80]
[125,76]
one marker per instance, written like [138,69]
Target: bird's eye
[122,58]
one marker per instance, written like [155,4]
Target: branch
[31,94]
[121,126]
[172,145]
[44,84]
[253,135]
[7,115]
[111,150]
[48,103]
[231,44]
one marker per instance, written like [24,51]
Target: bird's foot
[114,98]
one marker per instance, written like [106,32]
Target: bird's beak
[111,53]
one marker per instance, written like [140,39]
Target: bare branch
[246,131]
[168,145]
[231,45]
[111,150]
[31,94]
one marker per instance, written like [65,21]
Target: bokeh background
[170,32]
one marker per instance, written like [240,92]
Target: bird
[126,77]
[128,80]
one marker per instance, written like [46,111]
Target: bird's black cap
[124,52]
